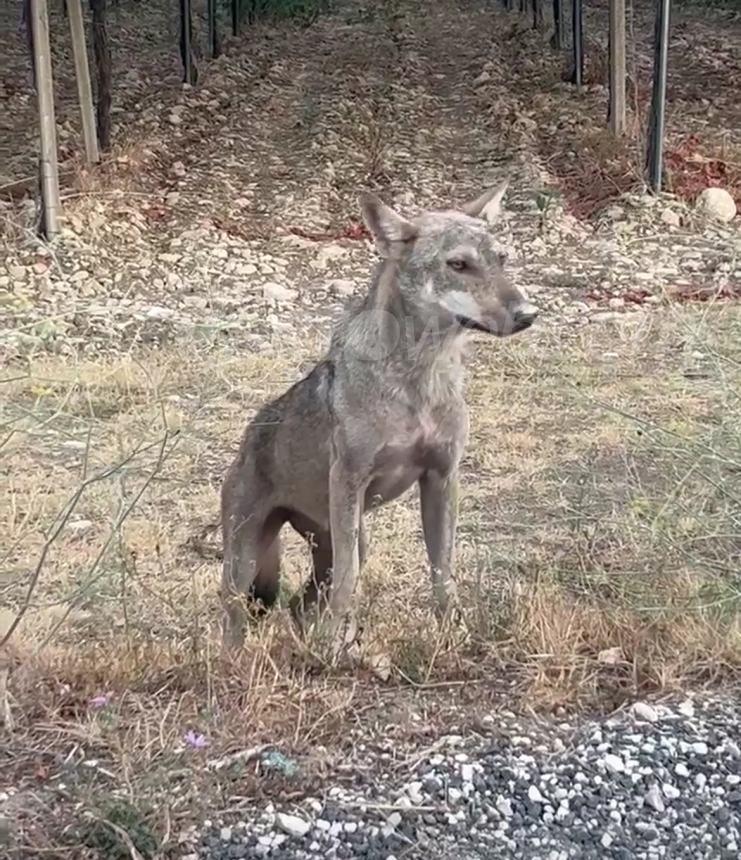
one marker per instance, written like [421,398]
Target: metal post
[557,40]
[82,73]
[578,42]
[213,33]
[47,124]
[537,14]
[617,66]
[235,17]
[185,38]
[658,97]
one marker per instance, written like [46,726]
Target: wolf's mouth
[467,322]
[518,324]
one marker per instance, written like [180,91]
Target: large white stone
[717,203]
[292,824]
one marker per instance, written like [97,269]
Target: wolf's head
[449,264]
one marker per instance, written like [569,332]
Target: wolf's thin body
[382,411]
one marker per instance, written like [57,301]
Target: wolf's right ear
[386,226]
[489,205]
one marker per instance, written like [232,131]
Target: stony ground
[224,212]
[652,781]
[224,224]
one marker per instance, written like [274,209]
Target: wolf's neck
[390,328]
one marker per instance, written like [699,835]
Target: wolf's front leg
[439,499]
[344,518]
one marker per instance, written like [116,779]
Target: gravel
[654,781]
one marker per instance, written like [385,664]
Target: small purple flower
[99,702]
[195,740]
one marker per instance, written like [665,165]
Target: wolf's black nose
[524,317]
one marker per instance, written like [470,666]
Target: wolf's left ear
[489,205]
[386,226]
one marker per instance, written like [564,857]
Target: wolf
[382,411]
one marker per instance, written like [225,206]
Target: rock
[717,203]
[671,218]
[159,313]
[342,287]
[687,708]
[467,772]
[700,748]
[394,820]
[671,792]
[225,834]
[504,806]
[534,795]
[654,799]
[278,293]
[681,770]
[292,824]
[610,656]
[483,78]
[613,763]
[414,790]
[644,712]
[327,254]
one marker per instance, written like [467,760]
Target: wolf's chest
[430,443]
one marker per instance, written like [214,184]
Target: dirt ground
[197,274]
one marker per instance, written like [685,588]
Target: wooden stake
[617,67]
[49,168]
[658,98]
[103,67]
[82,73]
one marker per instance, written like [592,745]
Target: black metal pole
[235,17]
[658,97]
[213,32]
[577,27]
[557,40]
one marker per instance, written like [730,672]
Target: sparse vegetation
[600,530]
[599,545]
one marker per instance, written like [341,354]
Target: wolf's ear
[489,205]
[386,226]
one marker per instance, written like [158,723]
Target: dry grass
[599,545]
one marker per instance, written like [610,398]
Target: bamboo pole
[82,73]
[617,66]
[49,168]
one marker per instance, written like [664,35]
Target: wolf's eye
[458,265]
